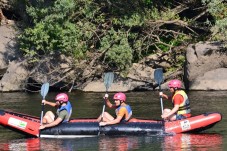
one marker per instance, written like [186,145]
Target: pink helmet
[120,96]
[62,97]
[174,84]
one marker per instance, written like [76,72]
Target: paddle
[158,77]
[44,91]
[108,80]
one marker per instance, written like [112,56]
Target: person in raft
[64,110]
[123,111]
[180,101]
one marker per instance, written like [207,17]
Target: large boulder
[141,72]
[12,68]
[211,80]
[8,45]
[206,66]
[140,77]
[98,86]
[15,77]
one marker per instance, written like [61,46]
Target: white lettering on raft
[185,125]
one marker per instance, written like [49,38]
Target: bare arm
[174,110]
[164,95]
[53,104]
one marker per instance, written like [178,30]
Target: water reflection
[21,145]
[202,142]
[118,143]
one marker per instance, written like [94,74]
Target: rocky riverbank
[205,69]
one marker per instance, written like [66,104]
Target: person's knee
[50,113]
[105,114]
[102,116]
[48,117]
[109,117]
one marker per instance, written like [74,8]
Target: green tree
[218,9]
[114,34]
[53,30]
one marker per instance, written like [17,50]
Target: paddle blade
[158,75]
[44,90]
[108,79]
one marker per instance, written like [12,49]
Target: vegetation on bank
[122,31]
[115,33]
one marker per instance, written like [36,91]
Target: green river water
[144,105]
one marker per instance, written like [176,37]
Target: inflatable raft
[29,125]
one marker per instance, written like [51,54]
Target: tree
[113,34]
[218,9]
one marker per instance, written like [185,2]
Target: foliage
[53,31]
[117,33]
[120,53]
[218,9]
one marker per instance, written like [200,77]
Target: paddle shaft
[103,108]
[160,91]
[104,105]
[41,117]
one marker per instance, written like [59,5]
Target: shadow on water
[144,105]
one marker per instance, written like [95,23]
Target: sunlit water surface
[144,105]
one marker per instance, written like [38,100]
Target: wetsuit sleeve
[122,112]
[178,99]
[63,114]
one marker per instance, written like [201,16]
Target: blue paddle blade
[44,90]
[158,75]
[108,79]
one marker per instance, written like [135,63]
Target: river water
[144,105]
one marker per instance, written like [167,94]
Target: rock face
[14,78]
[206,66]
[211,80]
[13,70]
[139,77]
[7,45]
